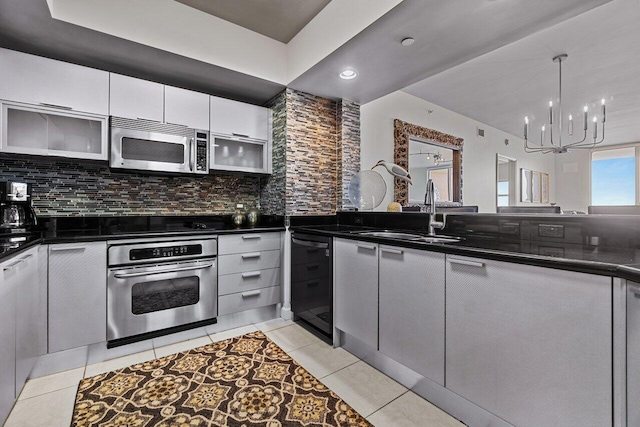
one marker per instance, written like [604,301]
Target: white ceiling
[500,88]
[278,19]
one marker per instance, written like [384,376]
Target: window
[613,177]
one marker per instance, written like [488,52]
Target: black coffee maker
[16,211]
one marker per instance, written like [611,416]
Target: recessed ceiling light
[407,41]
[348,74]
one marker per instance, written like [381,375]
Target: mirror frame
[403,132]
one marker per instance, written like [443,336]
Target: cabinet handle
[251,274]
[59,107]
[307,243]
[250,294]
[252,255]
[467,263]
[75,248]
[392,251]
[24,258]
[366,247]
[192,154]
[252,237]
[241,135]
[10,266]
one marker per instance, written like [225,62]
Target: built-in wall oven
[160,286]
[146,145]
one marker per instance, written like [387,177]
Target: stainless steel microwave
[146,145]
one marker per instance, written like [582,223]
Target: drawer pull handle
[241,135]
[10,266]
[251,255]
[366,247]
[467,263]
[392,251]
[313,266]
[251,274]
[59,107]
[75,248]
[250,294]
[252,237]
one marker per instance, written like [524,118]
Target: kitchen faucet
[430,201]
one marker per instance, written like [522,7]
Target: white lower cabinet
[77,295]
[531,345]
[20,324]
[412,309]
[356,289]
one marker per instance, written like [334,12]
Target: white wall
[479,154]
[572,180]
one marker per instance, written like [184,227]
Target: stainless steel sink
[391,235]
[409,236]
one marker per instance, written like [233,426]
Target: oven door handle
[149,273]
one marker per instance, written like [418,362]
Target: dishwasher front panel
[312,280]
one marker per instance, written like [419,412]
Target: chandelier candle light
[555,145]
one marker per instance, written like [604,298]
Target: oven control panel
[164,252]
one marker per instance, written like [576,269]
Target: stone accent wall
[67,187]
[311,154]
[316,151]
[272,191]
[348,149]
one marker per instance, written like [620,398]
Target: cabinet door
[27,317]
[529,344]
[237,118]
[412,309]
[187,108]
[8,286]
[136,99]
[356,289]
[36,80]
[28,129]
[77,295]
[633,353]
[239,154]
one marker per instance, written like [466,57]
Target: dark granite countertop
[602,260]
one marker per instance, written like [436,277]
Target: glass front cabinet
[50,131]
[233,153]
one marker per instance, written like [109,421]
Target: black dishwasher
[312,280]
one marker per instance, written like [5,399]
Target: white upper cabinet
[41,81]
[239,119]
[136,99]
[186,107]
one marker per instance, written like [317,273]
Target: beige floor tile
[232,333]
[182,346]
[271,325]
[48,410]
[363,387]
[49,383]
[118,363]
[321,359]
[411,410]
[292,337]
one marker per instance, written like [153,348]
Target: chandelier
[555,144]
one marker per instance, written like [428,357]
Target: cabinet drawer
[250,242]
[249,261]
[247,281]
[247,300]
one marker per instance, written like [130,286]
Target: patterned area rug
[245,381]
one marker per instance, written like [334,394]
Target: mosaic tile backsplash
[65,187]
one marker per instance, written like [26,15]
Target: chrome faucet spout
[430,201]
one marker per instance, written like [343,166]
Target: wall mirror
[429,161]
[506,173]
[410,138]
